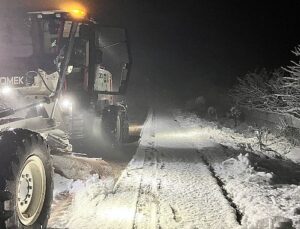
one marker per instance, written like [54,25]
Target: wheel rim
[31,190]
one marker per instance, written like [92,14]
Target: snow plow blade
[76,167]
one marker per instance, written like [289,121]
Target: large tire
[115,124]
[26,180]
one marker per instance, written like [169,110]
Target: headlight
[40,106]
[69,69]
[66,105]
[6,90]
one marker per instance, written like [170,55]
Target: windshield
[46,41]
[15,39]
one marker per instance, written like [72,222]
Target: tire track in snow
[239,214]
[146,208]
[147,204]
[189,196]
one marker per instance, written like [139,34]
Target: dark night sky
[186,43]
[217,40]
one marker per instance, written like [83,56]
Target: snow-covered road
[175,180]
[177,189]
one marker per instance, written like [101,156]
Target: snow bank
[94,203]
[263,202]
[244,137]
[75,200]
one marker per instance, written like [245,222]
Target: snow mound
[75,200]
[262,203]
[240,168]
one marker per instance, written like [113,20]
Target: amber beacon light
[77,13]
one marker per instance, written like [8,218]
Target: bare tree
[277,91]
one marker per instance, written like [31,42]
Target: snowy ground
[266,190]
[186,173]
